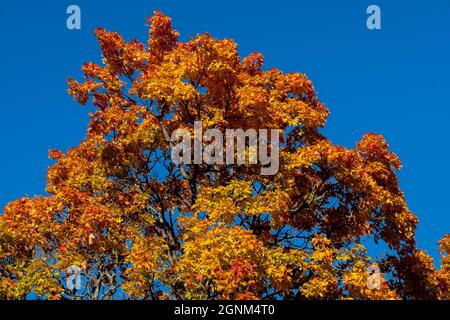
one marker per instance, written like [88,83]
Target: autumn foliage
[140,226]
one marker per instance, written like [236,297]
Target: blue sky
[394,81]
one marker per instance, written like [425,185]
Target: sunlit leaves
[135,223]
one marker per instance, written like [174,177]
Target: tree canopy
[140,226]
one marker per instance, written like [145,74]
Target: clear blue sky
[395,81]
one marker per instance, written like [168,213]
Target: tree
[140,226]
